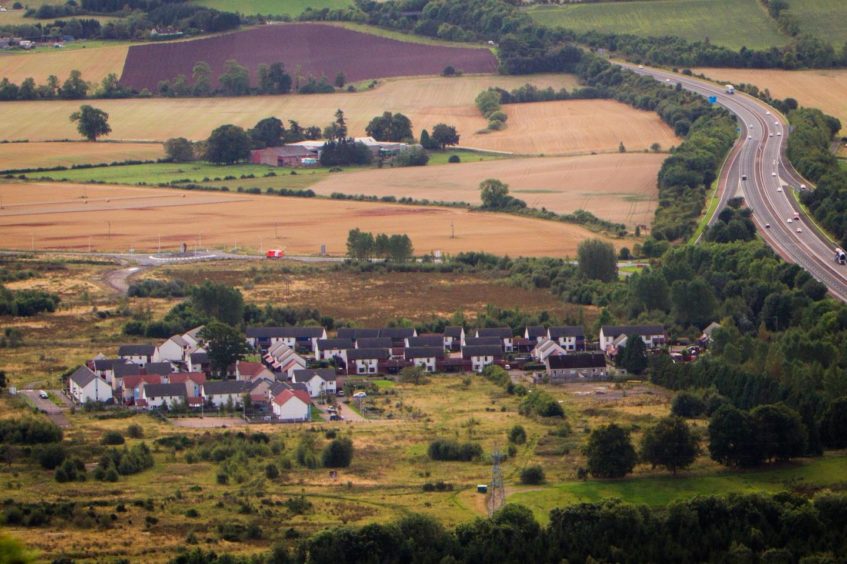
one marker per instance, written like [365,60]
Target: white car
[767,112]
[773,174]
[43,395]
[641,66]
[749,125]
[799,230]
[779,189]
[770,134]
[749,137]
[779,133]
[767,226]
[776,123]
[790,220]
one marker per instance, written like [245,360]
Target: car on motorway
[789,220]
[767,112]
[779,188]
[776,123]
[779,133]
[802,187]
[43,395]
[743,177]
[767,226]
[749,137]
[641,66]
[770,134]
[799,230]
[773,174]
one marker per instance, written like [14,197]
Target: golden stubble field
[579,126]
[115,218]
[94,63]
[618,187]
[38,155]
[822,89]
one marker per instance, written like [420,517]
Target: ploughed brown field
[306,50]
[566,127]
[44,155]
[820,88]
[117,218]
[616,187]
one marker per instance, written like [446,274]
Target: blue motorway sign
[713,99]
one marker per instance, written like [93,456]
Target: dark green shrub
[532,475]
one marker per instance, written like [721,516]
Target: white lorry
[730,89]
[840,256]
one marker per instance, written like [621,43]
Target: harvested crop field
[574,126]
[306,50]
[118,218]
[616,187]
[94,63]
[426,101]
[822,89]
[44,155]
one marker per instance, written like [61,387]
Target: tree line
[138,19]
[364,245]
[767,528]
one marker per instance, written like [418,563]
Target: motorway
[770,181]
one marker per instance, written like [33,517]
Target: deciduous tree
[226,345]
[228,144]
[91,122]
[597,260]
[444,135]
[670,444]
[610,452]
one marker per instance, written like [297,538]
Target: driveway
[347,413]
[53,411]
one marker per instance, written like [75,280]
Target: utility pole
[109,229]
[160,244]
[452,231]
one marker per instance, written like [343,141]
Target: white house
[545,349]
[454,338]
[283,359]
[224,393]
[168,396]
[652,335]
[482,355]
[365,361]
[198,361]
[425,357]
[502,333]
[175,349]
[318,382]
[570,338]
[577,367]
[250,371]
[291,405]
[84,385]
[139,354]
[535,333]
[304,337]
[327,349]
[105,367]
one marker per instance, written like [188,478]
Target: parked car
[43,395]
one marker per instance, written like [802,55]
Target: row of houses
[314,340]
[285,400]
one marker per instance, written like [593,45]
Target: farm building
[576,367]
[289,156]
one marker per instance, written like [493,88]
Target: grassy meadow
[290,8]
[730,23]
[822,18]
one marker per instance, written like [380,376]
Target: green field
[731,23]
[661,490]
[272,7]
[823,18]
[220,175]
[155,173]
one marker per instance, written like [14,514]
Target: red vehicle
[275,254]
